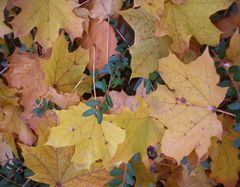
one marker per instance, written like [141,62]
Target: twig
[93,72]
[224,112]
[236,86]
[28,180]
[8,179]
[1,72]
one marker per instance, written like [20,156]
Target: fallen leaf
[120,101]
[102,37]
[225,163]
[103,9]
[48,16]
[54,167]
[147,48]
[64,70]
[191,18]
[25,72]
[233,51]
[91,140]
[11,122]
[3,27]
[188,109]
[142,130]
[8,95]
[5,151]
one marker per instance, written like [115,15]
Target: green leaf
[131,169]
[92,103]
[129,178]
[109,101]
[99,116]
[234,106]
[89,112]
[115,182]
[116,172]
[105,107]
[236,77]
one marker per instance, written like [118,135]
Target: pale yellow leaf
[187,109]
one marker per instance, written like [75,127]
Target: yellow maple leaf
[188,109]
[142,131]
[3,28]
[233,51]
[53,165]
[225,163]
[190,18]
[92,141]
[8,95]
[48,16]
[147,48]
[64,70]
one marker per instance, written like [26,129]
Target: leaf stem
[224,112]
[236,86]
[93,72]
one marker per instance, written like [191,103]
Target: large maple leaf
[48,16]
[147,48]
[64,70]
[190,18]
[92,141]
[53,165]
[188,109]
[225,164]
[142,131]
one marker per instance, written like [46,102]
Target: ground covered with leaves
[127,93]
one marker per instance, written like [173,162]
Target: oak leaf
[190,18]
[188,109]
[225,163]
[147,48]
[48,16]
[53,165]
[91,140]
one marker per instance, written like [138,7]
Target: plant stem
[93,72]
[224,112]
[234,83]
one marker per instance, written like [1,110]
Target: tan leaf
[233,51]
[188,109]
[102,36]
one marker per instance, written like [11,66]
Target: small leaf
[92,103]
[115,182]
[89,112]
[105,107]
[116,172]
[99,116]
[109,101]
[129,179]
[131,169]
[234,106]
[236,143]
